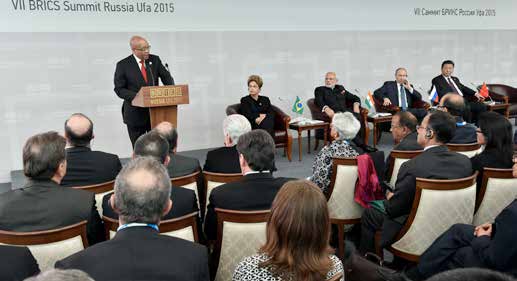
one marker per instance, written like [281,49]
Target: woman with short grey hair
[234,126]
[343,129]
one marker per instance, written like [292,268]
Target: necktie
[403,99]
[142,69]
[452,85]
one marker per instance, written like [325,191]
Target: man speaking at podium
[138,70]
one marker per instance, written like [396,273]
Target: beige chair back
[498,190]
[342,189]
[189,182]
[49,246]
[213,180]
[100,190]
[438,205]
[184,227]
[239,234]
[396,159]
[470,149]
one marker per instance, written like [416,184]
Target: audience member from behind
[153,145]
[42,204]
[403,130]
[257,108]
[343,129]
[435,162]
[179,165]
[17,263]
[226,159]
[495,134]
[256,190]
[297,239]
[138,251]
[62,275]
[471,274]
[455,106]
[84,166]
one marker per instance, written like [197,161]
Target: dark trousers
[136,131]
[372,221]
[451,250]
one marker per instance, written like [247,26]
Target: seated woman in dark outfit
[256,108]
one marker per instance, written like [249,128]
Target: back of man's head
[79,130]
[42,155]
[61,275]
[234,126]
[443,125]
[167,131]
[258,149]
[454,104]
[471,274]
[142,191]
[408,120]
[152,144]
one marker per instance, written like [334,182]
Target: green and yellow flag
[298,105]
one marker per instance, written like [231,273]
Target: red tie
[142,69]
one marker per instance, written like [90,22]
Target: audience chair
[213,180]
[342,207]
[189,181]
[100,190]
[498,189]
[438,205]
[470,149]
[395,160]
[282,137]
[49,246]
[239,234]
[184,227]
[316,114]
[504,94]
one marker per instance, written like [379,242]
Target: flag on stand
[369,101]
[484,91]
[298,105]
[433,95]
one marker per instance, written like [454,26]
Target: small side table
[376,121]
[500,106]
[308,127]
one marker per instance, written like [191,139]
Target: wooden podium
[162,102]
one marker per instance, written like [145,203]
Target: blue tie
[403,98]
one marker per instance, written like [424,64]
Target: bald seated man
[454,104]
[84,165]
[179,165]
[138,70]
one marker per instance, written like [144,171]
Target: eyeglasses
[478,131]
[143,49]
[395,126]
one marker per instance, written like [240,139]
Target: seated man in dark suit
[435,162]
[84,166]
[446,83]
[42,204]
[138,251]
[333,98]
[178,165]
[226,159]
[455,106]
[153,145]
[490,245]
[401,93]
[258,187]
[16,263]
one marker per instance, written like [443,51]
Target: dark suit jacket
[253,192]
[223,160]
[87,167]
[433,163]
[180,165]
[443,87]
[184,202]
[128,81]
[16,263]
[141,253]
[251,109]
[338,99]
[408,143]
[490,158]
[464,133]
[45,205]
[389,90]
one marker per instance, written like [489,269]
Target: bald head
[78,130]
[453,103]
[167,131]
[140,47]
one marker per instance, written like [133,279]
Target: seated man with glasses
[435,162]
